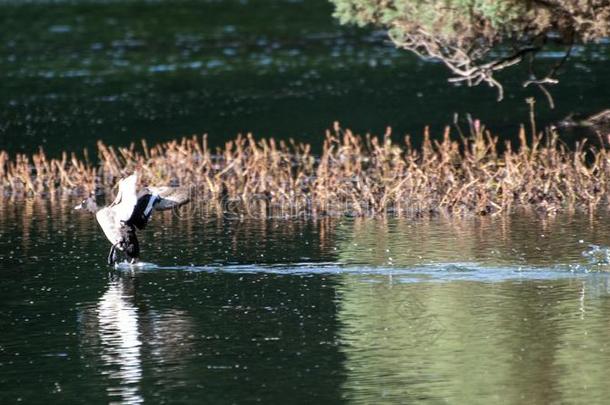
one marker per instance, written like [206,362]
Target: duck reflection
[121,339]
[122,334]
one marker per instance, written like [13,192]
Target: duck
[599,121]
[130,211]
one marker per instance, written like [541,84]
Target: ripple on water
[438,272]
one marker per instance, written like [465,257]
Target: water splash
[597,255]
[125,265]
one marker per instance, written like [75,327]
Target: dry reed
[354,174]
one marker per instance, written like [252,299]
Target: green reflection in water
[516,240]
[464,342]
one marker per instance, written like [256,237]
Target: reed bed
[354,175]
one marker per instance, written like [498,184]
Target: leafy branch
[467,35]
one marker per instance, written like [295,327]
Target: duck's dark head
[88,204]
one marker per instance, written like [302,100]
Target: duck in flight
[130,211]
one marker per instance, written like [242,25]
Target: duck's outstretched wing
[168,197]
[113,218]
[126,199]
[111,225]
[157,198]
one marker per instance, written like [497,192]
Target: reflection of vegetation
[505,241]
[32,223]
[399,242]
[466,342]
[463,33]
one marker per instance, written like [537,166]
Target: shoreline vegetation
[458,175]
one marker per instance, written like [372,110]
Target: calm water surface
[511,310]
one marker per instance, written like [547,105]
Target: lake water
[74,72]
[326,310]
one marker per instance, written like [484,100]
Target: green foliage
[446,17]
[462,33]
[589,19]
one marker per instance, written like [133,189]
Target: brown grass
[357,175]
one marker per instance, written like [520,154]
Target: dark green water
[511,310]
[336,310]
[74,72]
